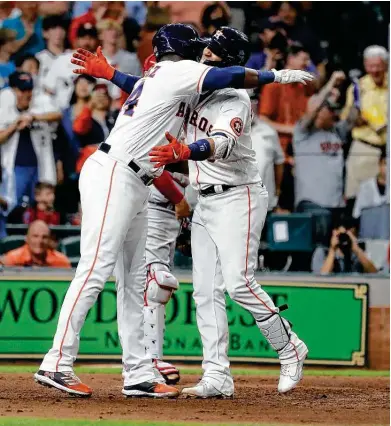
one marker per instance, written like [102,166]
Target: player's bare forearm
[366,263]
[278,127]
[328,264]
[49,117]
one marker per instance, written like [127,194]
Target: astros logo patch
[237,126]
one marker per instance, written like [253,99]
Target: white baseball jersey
[46,59]
[59,79]
[227,112]
[157,104]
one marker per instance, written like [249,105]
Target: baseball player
[114,189]
[163,228]
[227,224]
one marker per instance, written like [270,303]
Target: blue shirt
[25,154]
[5,70]
[36,42]
[256,61]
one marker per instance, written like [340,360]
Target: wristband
[199,150]
[266,77]
[124,81]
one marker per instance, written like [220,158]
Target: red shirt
[87,18]
[49,217]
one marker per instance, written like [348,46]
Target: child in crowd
[43,208]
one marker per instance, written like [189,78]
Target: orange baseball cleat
[65,381]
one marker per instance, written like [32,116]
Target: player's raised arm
[96,65]
[247,78]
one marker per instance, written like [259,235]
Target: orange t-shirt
[285,104]
[22,257]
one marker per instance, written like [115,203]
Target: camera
[345,242]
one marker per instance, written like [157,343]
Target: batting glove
[92,64]
[174,152]
[292,76]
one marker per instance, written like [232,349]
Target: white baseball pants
[163,229]
[114,202]
[225,236]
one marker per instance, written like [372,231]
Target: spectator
[59,81]
[156,18]
[319,159]
[94,123]
[136,9]
[298,32]
[67,147]
[25,135]
[7,199]
[7,10]
[51,8]
[117,12]
[30,64]
[54,33]
[369,135]
[7,48]
[372,192]
[43,207]
[213,17]
[186,11]
[83,87]
[345,253]
[283,105]
[28,27]
[36,251]
[255,12]
[269,155]
[272,49]
[89,19]
[110,34]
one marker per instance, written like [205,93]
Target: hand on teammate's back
[92,64]
[174,152]
[182,209]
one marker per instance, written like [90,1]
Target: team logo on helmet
[218,34]
[237,126]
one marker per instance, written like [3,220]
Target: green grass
[86,369]
[14,421]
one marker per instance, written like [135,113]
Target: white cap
[376,52]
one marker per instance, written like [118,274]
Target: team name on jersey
[193,118]
[330,147]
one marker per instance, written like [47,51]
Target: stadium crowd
[321,148]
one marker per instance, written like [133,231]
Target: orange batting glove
[174,152]
[95,65]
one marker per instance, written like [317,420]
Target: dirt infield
[319,400]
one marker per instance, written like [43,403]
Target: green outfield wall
[331,318]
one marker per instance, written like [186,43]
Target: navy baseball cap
[21,80]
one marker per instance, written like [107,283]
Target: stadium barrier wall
[330,315]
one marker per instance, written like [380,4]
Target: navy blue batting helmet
[231,45]
[178,39]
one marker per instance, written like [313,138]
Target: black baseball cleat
[151,390]
[66,381]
